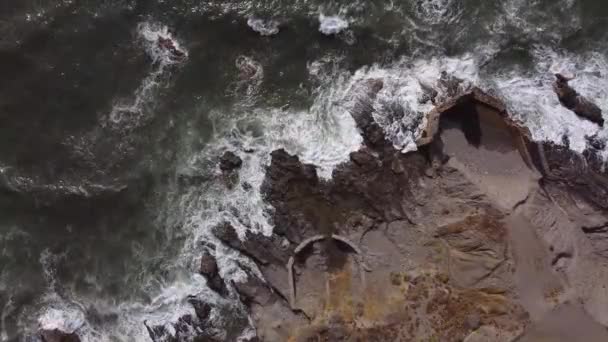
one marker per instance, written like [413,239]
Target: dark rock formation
[210,271]
[57,335]
[291,184]
[262,249]
[199,327]
[230,162]
[572,100]
[372,133]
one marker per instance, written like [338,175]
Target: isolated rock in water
[230,161]
[263,27]
[577,103]
[169,45]
[210,271]
[329,25]
[57,335]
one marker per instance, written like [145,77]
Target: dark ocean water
[108,146]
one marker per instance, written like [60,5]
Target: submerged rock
[230,162]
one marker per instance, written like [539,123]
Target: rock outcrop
[57,335]
[481,234]
[577,103]
[230,164]
[210,271]
[460,229]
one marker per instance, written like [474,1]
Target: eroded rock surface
[481,234]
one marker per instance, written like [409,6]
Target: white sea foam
[332,24]
[57,312]
[246,88]
[263,27]
[63,318]
[531,99]
[438,11]
[399,107]
[131,113]
[537,19]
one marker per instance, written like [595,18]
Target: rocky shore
[481,234]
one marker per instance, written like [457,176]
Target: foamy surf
[532,101]
[130,113]
[400,106]
[263,27]
[65,319]
[438,11]
[332,24]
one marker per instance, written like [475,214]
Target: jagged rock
[230,162]
[197,327]
[577,103]
[289,183]
[274,320]
[596,142]
[364,159]
[450,84]
[254,290]
[262,249]
[202,309]
[362,111]
[578,173]
[57,335]
[210,271]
